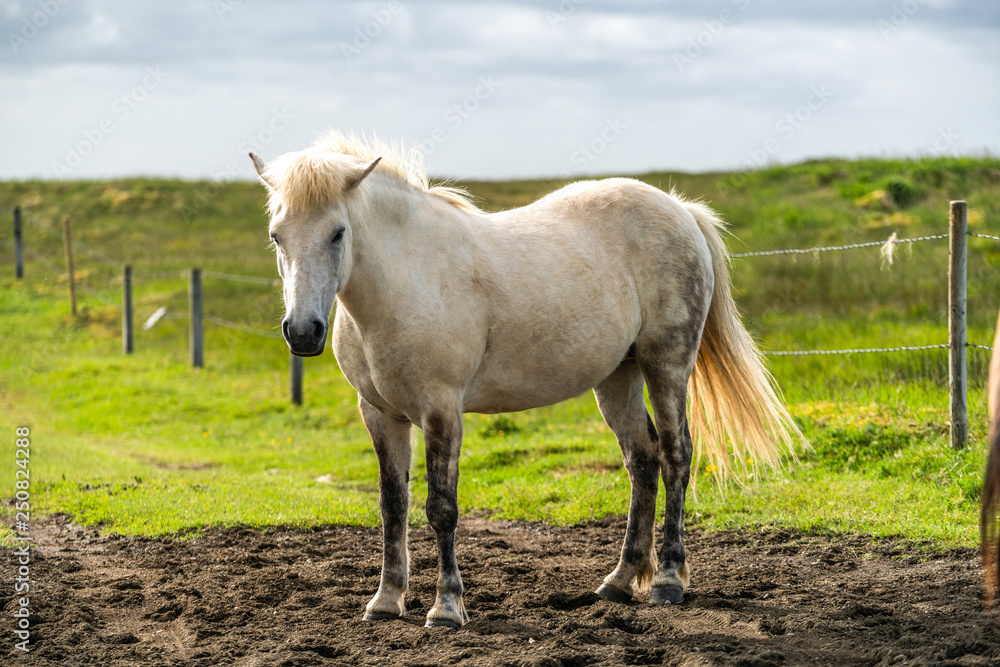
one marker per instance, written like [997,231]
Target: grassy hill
[146,444]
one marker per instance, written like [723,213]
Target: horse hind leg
[620,400]
[666,370]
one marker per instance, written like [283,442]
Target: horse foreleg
[391,438]
[620,400]
[443,441]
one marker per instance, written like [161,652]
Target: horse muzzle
[306,339]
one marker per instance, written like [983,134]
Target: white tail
[734,404]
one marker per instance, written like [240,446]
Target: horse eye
[274,239]
[338,236]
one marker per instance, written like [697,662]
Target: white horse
[444,309]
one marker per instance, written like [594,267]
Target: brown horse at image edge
[989,519]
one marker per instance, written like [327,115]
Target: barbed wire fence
[957,343]
[118,264]
[888,248]
[195,315]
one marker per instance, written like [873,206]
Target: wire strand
[904,348]
[59,271]
[795,353]
[229,324]
[807,251]
[240,279]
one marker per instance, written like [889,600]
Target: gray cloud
[697,88]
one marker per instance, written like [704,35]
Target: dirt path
[287,597]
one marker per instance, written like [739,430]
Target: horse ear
[354,180]
[261,167]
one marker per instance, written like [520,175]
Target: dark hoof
[441,623]
[613,594]
[666,595]
[380,616]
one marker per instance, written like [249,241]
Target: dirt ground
[290,597]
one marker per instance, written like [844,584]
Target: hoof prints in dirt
[288,597]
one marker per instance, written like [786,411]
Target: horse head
[311,232]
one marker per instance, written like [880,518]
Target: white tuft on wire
[887,249]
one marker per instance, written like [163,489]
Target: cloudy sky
[495,89]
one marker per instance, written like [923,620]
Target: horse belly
[568,313]
[522,373]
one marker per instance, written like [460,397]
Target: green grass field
[144,444]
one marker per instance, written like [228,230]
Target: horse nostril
[319,330]
[284,330]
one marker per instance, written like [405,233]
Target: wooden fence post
[195,316]
[68,243]
[18,244]
[957,377]
[295,373]
[127,315]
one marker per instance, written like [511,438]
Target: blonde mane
[314,178]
